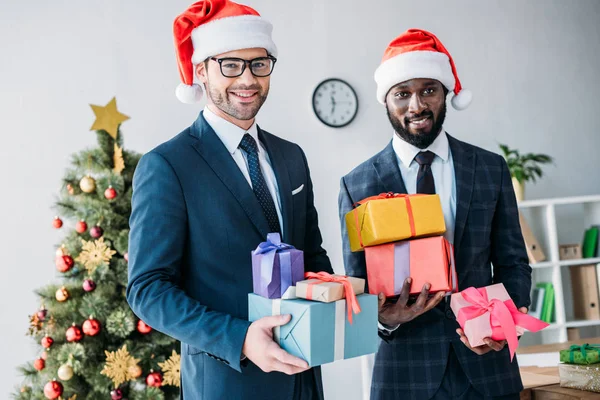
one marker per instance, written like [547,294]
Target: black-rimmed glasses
[232,67]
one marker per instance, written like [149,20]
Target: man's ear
[201,72]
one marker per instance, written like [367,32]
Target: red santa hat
[211,27]
[419,54]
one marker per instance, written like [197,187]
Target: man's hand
[489,343]
[260,348]
[394,314]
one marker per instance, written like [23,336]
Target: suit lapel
[283,182]
[388,171]
[214,152]
[464,171]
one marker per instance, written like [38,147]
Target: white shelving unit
[555,222]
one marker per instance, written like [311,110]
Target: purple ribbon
[269,250]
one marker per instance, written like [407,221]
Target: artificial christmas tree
[91,344]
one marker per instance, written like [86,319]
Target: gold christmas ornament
[108,118]
[62,294]
[87,184]
[171,370]
[135,371]
[65,372]
[118,161]
[118,365]
[95,254]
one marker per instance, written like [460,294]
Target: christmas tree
[92,346]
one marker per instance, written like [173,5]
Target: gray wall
[531,65]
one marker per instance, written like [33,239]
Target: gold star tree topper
[95,254]
[118,366]
[108,118]
[171,370]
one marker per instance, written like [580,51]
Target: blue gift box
[321,333]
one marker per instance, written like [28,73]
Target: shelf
[579,324]
[559,201]
[580,261]
[543,264]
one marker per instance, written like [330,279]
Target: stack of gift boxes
[402,236]
[331,317]
[580,367]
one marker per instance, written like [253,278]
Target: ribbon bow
[583,349]
[504,316]
[269,249]
[353,306]
[385,196]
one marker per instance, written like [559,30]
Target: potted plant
[523,168]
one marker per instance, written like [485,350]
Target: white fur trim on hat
[232,33]
[412,65]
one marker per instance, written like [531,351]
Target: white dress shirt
[231,135]
[442,169]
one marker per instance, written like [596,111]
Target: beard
[421,140]
[243,112]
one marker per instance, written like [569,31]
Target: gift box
[428,260]
[582,377]
[489,312]
[392,217]
[321,333]
[275,267]
[327,288]
[581,354]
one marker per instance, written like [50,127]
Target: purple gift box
[275,267]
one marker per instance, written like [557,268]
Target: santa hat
[419,54]
[211,27]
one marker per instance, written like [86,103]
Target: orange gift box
[392,217]
[428,260]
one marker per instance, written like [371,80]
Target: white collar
[230,134]
[406,152]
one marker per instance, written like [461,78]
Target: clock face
[335,103]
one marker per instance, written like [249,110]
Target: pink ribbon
[504,317]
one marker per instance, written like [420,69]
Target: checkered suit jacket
[410,364]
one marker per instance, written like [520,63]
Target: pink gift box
[489,312]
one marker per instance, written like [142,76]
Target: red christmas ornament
[143,328]
[39,364]
[116,394]
[57,223]
[64,263]
[53,390]
[96,232]
[91,327]
[81,226]
[42,313]
[74,334]
[110,193]
[89,285]
[47,342]
[154,379]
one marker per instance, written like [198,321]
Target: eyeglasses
[234,67]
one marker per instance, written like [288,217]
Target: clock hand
[332,105]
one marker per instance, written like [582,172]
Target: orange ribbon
[351,301]
[385,196]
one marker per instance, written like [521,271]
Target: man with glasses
[205,199]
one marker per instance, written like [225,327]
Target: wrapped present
[489,312]
[581,354]
[324,287]
[275,267]
[321,333]
[582,377]
[392,217]
[428,260]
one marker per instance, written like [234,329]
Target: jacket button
[449,314]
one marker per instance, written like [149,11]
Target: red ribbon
[504,316]
[351,301]
[385,196]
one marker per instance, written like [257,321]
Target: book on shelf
[586,298]
[537,302]
[547,311]
[532,245]
[590,242]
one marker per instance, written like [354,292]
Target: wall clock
[335,102]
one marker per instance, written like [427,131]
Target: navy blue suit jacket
[411,363]
[194,222]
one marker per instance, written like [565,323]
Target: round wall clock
[335,103]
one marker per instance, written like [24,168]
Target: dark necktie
[425,183]
[248,145]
